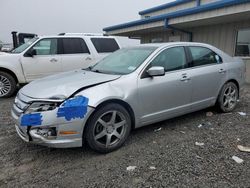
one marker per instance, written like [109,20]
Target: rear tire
[108,128]
[8,85]
[228,97]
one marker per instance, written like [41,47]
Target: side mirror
[30,53]
[156,71]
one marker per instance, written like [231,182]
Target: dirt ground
[168,157]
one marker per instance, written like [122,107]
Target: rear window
[74,46]
[203,56]
[105,45]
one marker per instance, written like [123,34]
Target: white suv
[47,55]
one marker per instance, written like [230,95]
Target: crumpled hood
[64,84]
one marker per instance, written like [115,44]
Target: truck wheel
[8,85]
[108,128]
[228,97]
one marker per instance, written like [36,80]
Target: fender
[12,63]
[19,75]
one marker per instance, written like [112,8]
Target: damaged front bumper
[54,131]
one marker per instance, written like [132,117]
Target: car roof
[74,35]
[166,44]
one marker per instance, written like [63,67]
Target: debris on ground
[209,114]
[154,142]
[204,124]
[199,126]
[198,157]
[243,148]
[242,113]
[152,168]
[183,132]
[237,159]
[199,144]
[157,130]
[131,168]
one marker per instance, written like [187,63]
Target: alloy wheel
[230,97]
[5,85]
[110,128]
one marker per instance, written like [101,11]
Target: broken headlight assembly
[41,107]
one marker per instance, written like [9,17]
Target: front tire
[108,128]
[228,97]
[8,85]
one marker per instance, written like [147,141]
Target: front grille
[20,105]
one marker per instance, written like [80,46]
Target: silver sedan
[132,87]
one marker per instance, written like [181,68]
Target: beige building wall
[223,36]
[165,36]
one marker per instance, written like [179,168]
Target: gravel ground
[171,150]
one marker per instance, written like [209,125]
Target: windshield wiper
[88,68]
[98,71]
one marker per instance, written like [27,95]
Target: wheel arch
[116,101]
[235,82]
[230,80]
[9,72]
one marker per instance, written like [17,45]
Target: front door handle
[53,60]
[222,71]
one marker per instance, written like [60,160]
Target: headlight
[41,107]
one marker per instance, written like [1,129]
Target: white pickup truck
[47,55]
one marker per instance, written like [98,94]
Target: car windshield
[24,46]
[123,61]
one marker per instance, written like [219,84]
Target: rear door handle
[185,77]
[53,60]
[222,71]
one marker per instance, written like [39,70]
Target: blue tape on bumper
[73,108]
[31,119]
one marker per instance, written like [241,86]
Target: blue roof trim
[164,6]
[189,11]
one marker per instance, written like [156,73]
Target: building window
[156,40]
[243,43]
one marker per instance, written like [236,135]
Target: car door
[208,74]
[41,59]
[75,54]
[165,96]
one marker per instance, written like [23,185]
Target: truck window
[74,46]
[105,45]
[46,47]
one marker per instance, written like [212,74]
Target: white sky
[47,17]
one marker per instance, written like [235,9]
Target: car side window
[74,46]
[46,47]
[105,45]
[171,59]
[203,56]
